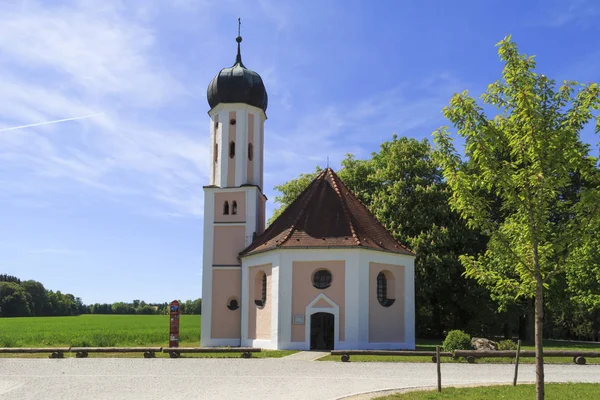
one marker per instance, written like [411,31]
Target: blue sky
[109,208]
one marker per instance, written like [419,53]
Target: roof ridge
[307,199]
[343,203]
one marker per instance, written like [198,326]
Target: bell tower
[234,204]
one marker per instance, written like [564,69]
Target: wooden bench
[149,352]
[246,352]
[345,354]
[55,352]
[577,356]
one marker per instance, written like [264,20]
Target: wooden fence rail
[345,354]
[55,352]
[579,357]
[246,352]
[149,352]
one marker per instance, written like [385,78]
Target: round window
[233,304]
[322,279]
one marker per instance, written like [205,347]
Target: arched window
[216,152]
[231,149]
[226,208]
[261,289]
[234,207]
[382,290]
[250,151]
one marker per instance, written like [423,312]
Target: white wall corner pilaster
[223,162]
[241,145]
[257,146]
[207,260]
[245,303]
[352,309]
[409,311]
[274,304]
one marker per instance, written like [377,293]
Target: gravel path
[122,378]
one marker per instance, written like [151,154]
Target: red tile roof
[326,214]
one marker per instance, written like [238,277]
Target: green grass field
[554,391]
[96,330]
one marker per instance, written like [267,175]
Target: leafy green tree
[145,309]
[122,308]
[525,157]
[583,272]
[9,278]
[290,190]
[14,300]
[39,297]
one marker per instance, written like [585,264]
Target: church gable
[326,215]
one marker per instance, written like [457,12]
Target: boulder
[483,344]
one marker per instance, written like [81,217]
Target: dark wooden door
[322,331]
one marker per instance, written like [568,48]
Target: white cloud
[83,58]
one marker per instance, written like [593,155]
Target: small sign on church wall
[298,319]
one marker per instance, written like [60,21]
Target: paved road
[106,378]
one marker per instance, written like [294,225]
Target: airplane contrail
[50,122]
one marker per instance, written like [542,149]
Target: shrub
[457,340]
[507,345]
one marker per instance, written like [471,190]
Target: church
[324,275]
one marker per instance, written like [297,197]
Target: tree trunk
[539,337]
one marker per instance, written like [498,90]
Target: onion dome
[237,84]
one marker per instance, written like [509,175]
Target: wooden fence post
[517,362]
[439,371]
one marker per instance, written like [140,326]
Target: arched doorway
[322,331]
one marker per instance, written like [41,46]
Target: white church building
[324,275]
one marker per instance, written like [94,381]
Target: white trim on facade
[207,261]
[241,146]
[311,309]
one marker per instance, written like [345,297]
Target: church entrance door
[322,331]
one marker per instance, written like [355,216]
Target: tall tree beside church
[290,190]
[526,156]
[404,189]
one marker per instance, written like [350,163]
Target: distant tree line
[31,299]
[141,307]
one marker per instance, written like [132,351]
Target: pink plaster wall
[225,323]
[261,215]
[303,291]
[228,242]
[250,165]
[259,320]
[386,324]
[231,161]
[239,197]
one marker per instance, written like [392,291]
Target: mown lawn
[554,391]
[96,331]
[429,345]
[107,331]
